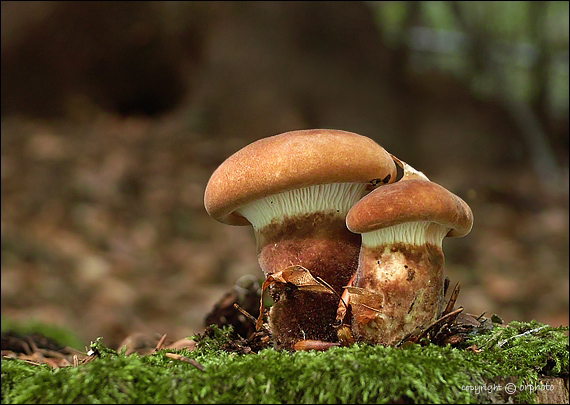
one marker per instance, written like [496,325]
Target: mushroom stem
[306,227]
[399,283]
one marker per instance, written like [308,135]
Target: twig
[160,343]
[186,360]
[452,299]
[245,313]
[447,318]
[501,343]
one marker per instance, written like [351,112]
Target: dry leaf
[297,275]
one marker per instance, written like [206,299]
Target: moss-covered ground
[61,335]
[358,374]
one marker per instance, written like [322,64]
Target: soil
[453,328]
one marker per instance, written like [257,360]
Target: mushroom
[398,286]
[295,189]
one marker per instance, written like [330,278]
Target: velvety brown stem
[402,289]
[323,245]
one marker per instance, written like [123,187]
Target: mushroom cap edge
[407,201]
[292,160]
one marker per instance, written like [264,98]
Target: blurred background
[115,114]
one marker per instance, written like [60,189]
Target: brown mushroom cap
[408,201]
[293,160]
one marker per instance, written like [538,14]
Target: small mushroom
[398,286]
[295,189]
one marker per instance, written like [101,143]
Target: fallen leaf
[297,275]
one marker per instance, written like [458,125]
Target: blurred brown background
[115,114]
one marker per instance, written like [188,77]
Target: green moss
[526,350]
[529,345]
[101,350]
[213,340]
[357,374]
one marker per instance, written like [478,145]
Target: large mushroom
[295,189]
[398,287]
